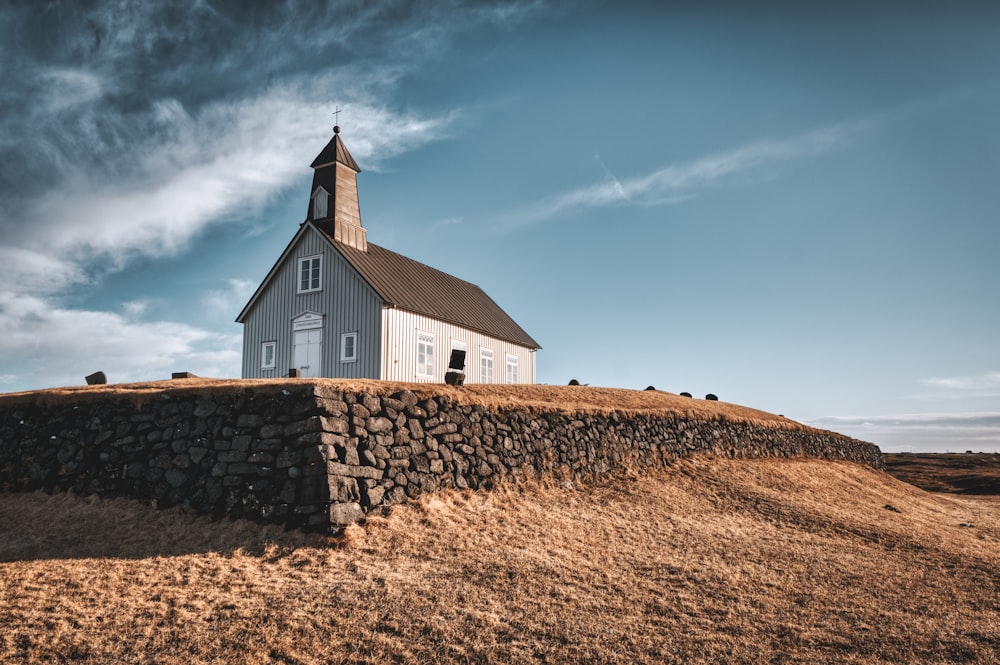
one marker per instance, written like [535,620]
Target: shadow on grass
[39,526]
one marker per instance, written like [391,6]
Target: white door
[306,348]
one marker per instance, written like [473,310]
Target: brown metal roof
[335,151]
[407,284]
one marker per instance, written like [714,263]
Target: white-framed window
[309,274]
[511,368]
[485,365]
[267,350]
[425,354]
[320,199]
[349,347]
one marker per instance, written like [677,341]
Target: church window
[485,365]
[425,354]
[511,368]
[349,347]
[267,355]
[309,274]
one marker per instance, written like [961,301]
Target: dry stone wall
[308,456]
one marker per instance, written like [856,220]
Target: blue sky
[792,205]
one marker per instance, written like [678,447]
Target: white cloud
[446,222]
[678,182]
[135,309]
[988,382]
[46,346]
[66,88]
[230,299]
[921,432]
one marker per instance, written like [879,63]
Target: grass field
[975,474]
[709,561]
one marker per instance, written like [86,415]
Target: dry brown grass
[572,399]
[709,561]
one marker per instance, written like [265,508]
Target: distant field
[709,561]
[973,473]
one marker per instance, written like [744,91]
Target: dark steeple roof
[335,151]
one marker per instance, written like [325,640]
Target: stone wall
[308,456]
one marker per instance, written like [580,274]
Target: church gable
[312,299]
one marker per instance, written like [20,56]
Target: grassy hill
[709,561]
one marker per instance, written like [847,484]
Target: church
[335,305]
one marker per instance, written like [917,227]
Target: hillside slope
[709,561]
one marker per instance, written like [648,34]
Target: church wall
[401,328]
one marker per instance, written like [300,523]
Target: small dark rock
[711,397]
[892,508]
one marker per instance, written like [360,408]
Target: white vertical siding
[399,360]
[346,302]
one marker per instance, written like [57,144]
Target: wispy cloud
[229,299]
[988,382]
[230,159]
[677,182]
[446,222]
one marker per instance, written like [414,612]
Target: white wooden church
[335,305]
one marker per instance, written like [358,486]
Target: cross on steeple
[336,120]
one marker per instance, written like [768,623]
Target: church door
[306,350]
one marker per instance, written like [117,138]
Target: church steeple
[334,199]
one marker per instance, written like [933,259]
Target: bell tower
[334,199]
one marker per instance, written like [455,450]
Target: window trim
[421,368]
[319,273]
[344,358]
[273,346]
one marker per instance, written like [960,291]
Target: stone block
[343,514]
[360,411]
[374,495]
[344,488]
[378,425]
[175,478]
[249,420]
[242,442]
[272,430]
[204,408]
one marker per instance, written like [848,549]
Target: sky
[792,205]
